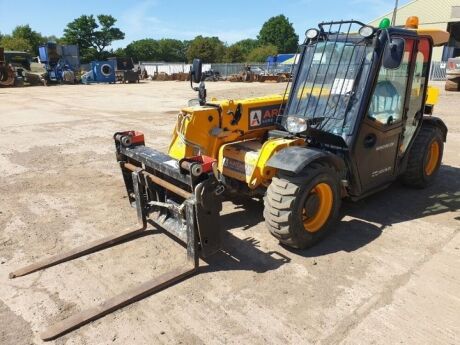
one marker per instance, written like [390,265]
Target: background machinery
[17,70]
[100,72]
[7,75]
[61,62]
[453,74]
[124,70]
[355,118]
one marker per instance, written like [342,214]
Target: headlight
[311,33]
[366,31]
[296,124]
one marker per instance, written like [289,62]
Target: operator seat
[385,102]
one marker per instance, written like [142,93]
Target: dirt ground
[389,274]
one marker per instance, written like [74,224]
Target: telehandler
[356,117]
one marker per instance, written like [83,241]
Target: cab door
[377,146]
[418,87]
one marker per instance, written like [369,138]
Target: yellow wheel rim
[313,220]
[433,158]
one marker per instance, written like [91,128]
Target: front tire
[301,209]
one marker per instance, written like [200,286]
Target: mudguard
[436,122]
[294,159]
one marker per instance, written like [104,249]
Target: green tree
[23,38]
[92,36]
[171,50]
[26,33]
[260,54]
[52,38]
[185,46]
[19,44]
[120,52]
[279,32]
[208,49]
[247,45]
[234,53]
[144,50]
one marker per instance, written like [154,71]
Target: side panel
[238,160]
[204,129]
[247,161]
[192,134]
[432,95]
[376,151]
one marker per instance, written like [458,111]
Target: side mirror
[196,71]
[394,53]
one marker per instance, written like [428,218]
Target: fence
[168,68]
[437,71]
[225,69]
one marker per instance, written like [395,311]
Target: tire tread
[414,175]
[279,203]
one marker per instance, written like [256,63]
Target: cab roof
[439,37]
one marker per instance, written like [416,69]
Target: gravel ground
[390,273]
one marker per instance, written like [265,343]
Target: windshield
[331,77]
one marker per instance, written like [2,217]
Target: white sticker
[342,86]
[380,172]
[319,57]
[173,163]
[385,146]
[255,117]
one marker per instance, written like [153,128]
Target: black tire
[285,203]
[416,174]
[452,85]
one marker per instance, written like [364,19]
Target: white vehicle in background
[453,74]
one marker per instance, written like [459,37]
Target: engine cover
[246,161]
[239,159]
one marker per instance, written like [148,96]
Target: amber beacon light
[412,22]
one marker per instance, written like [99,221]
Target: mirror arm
[202,93]
[390,42]
[191,80]
[388,36]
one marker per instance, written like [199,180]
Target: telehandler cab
[356,117]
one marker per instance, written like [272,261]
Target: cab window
[387,101]
[419,81]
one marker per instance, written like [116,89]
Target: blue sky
[181,19]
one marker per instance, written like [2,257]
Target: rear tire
[425,158]
[301,209]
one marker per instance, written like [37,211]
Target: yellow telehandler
[356,117]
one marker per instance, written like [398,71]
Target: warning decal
[255,118]
[263,117]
